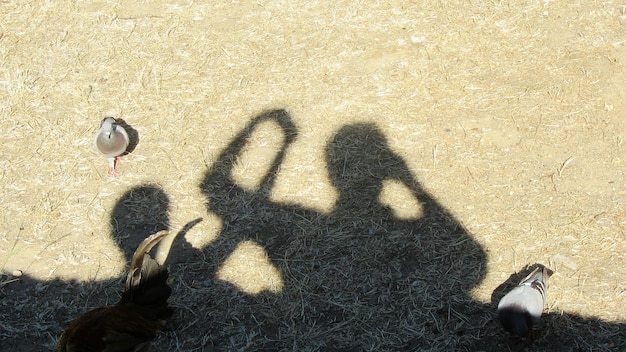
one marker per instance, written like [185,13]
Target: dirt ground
[336,176]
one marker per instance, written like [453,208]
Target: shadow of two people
[358,277]
[355,278]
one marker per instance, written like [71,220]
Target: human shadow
[357,277]
[34,312]
[140,212]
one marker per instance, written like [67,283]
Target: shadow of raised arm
[218,181]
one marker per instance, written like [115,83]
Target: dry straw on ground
[344,176]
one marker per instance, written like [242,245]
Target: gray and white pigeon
[521,308]
[111,140]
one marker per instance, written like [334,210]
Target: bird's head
[108,125]
[516,321]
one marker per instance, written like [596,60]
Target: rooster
[132,323]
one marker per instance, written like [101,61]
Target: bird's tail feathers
[541,274]
[136,263]
[538,279]
[146,284]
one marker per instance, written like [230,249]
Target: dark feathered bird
[132,323]
[521,308]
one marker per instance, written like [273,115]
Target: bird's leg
[112,166]
[531,337]
[113,163]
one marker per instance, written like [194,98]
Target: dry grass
[427,152]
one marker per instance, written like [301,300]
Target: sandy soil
[506,120]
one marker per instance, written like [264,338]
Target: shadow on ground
[359,278]
[35,312]
[133,136]
[356,278]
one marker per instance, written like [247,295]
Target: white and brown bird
[111,140]
[520,309]
[132,323]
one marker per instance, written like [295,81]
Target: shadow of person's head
[140,212]
[359,159]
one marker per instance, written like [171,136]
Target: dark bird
[132,323]
[520,309]
[111,140]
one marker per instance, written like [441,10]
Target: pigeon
[111,140]
[521,308]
